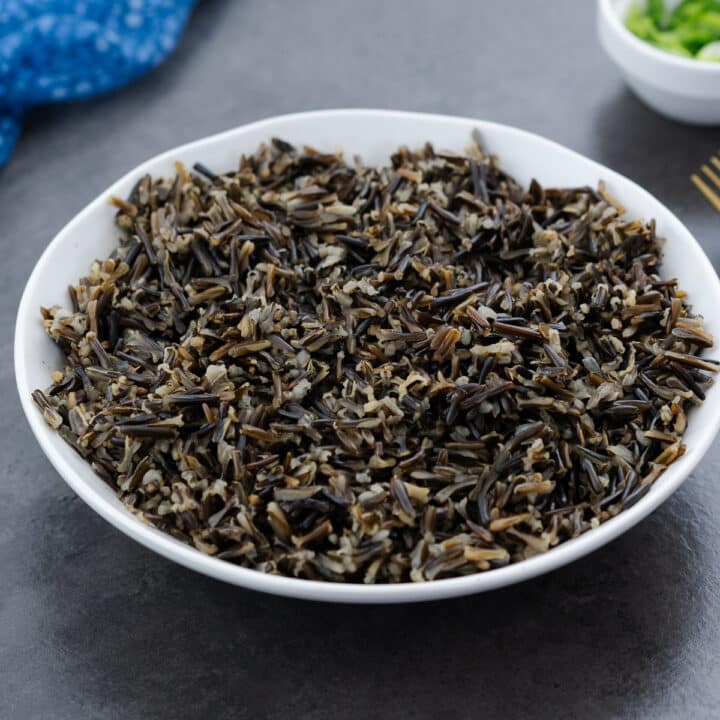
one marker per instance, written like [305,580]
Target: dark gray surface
[92,625]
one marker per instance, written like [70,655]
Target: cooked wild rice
[375,374]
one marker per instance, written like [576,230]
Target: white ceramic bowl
[681,88]
[374,134]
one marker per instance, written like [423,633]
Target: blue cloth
[53,50]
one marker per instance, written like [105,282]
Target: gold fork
[712,197]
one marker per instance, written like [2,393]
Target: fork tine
[709,194]
[715,161]
[715,179]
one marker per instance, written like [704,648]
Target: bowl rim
[612,16]
[189,557]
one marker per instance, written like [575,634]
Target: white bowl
[682,88]
[374,134]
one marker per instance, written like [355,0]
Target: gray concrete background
[94,626]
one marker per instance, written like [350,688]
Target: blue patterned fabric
[53,50]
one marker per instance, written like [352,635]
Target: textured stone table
[94,626]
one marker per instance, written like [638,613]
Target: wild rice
[375,374]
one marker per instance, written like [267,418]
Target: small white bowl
[374,134]
[681,88]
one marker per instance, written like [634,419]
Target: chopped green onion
[691,30]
